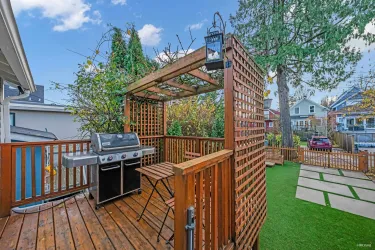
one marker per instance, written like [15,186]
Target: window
[270,125]
[340,119]
[312,109]
[12,119]
[296,111]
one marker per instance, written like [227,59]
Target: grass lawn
[303,143]
[295,224]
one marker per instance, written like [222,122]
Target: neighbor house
[348,116]
[307,115]
[271,118]
[55,119]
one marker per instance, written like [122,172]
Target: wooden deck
[75,224]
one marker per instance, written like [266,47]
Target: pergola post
[127,113]
[229,126]
[165,131]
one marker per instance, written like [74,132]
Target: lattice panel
[250,175]
[146,119]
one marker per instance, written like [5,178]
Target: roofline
[308,101]
[339,101]
[38,107]
[19,63]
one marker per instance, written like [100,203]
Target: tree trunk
[283,91]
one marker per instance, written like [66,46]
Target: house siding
[61,124]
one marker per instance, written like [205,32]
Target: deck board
[46,234]
[12,230]
[76,224]
[63,234]
[29,230]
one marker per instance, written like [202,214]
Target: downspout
[5,111]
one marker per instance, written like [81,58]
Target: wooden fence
[176,146]
[206,183]
[344,141]
[362,161]
[33,171]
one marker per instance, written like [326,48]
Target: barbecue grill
[113,160]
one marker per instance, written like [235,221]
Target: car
[319,143]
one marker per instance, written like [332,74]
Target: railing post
[301,154]
[363,161]
[198,146]
[5,179]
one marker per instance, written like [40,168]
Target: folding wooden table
[158,172]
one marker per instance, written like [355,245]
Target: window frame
[270,124]
[12,117]
[295,110]
[310,109]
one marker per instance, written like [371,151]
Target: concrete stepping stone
[325,186]
[358,175]
[320,169]
[309,174]
[349,181]
[352,206]
[311,195]
[365,194]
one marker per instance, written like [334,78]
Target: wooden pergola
[245,206]
[162,85]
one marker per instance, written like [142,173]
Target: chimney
[267,103]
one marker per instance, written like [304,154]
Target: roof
[305,99]
[14,67]
[33,106]
[345,95]
[275,111]
[32,132]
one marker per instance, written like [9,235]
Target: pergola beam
[149,96]
[200,90]
[181,86]
[183,65]
[203,76]
[161,91]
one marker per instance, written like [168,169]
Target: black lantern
[214,50]
[214,45]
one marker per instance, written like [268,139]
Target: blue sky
[49,29]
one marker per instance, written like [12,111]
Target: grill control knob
[110,158]
[135,154]
[123,156]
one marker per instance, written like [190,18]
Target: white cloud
[120,2]
[150,35]
[162,57]
[196,26]
[66,14]
[360,43]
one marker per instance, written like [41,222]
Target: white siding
[60,123]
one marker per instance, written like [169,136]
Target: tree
[96,97]
[300,93]
[175,129]
[303,41]
[118,47]
[195,114]
[135,62]
[327,101]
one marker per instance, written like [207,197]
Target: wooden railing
[206,183]
[176,146]
[33,171]
[363,161]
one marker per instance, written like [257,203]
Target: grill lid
[105,142]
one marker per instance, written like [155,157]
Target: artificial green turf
[296,224]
